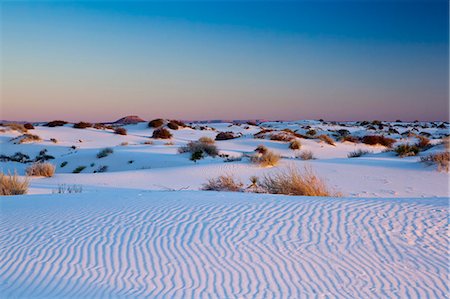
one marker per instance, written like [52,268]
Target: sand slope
[206,244]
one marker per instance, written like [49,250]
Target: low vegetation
[27,138]
[327,139]
[17,127]
[79,169]
[41,169]
[105,152]
[378,139]
[407,150]
[82,125]
[63,189]
[350,138]
[55,123]
[294,182]
[156,123]
[28,126]
[264,157]
[223,183]
[440,159]
[161,133]
[358,153]
[12,184]
[199,149]
[173,125]
[423,142]
[225,136]
[295,144]
[305,155]
[120,131]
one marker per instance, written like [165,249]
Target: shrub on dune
[161,133]
[423,142]
[173,126]
[206,140]
[223,183]
[440,159]
[156,123]
[350,138]
[327,139]
[41,169]
[406,150]
[27,138]
[120,131]
[295,144]
[55,123]
[225,136]
[358,153]
[82,125]
[11,184]
[375,139]
[79,169]
[105,152]
[306,155]
[266,159]
[294,182]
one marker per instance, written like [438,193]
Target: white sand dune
[194,244]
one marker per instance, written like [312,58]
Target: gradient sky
[336,60]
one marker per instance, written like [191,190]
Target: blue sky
[337,60]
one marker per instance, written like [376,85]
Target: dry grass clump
[25,138]
[195,147]
[225,136]
[82,125]
[375,139]
[406,150]
[41,169]
[56,123]
[265,158]
[161,133]
[282,136]
[327,139]
[295,144]
[423,142]
[79,169]
[63,189]
[305,155]
[350,138]
[206,140]
[28,126]
[446,142]
[17,127]
[440,159]
[223,183]
[294,182]
[120,131]
[105,152]
[11,184]
[173,125]
[156,123]
[358,153]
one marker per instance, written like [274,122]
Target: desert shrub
[82,125]
[120,131]
[262,134]
[178,122]
[268,159]
[423,142]
[53,140]
[25,138]
[225,136]
[42,156]
[199,146]
[17,127]
[101,168]
[446,142]
[306,155]
[206,140]
[358,153]
[28,126]
[63,164]
[105,152]
[440,159]
[56,123]
[350,138]
[79,169]
[124,143]
[311,132]
[41,169]
[295,144]
[294,182]
[161,133]
[407,150]
[326,139]
[172,125]
[343,132]
[281,136]
[197,155]
[156,123]
[223,183]
[17,157]
[63,188]
[375,139]
[148,142]
[261,149]
[11,184]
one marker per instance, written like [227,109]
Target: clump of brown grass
[199,146]
[223,183]
[265,158]
[350,138]
[295,144]
[440,159]
[17,127]
[56,123]
[156,123]
[225,136]
[282,136]
[423,142]
[206,140]
[293,182]
[327,139]
[25,138]
[375,139]
[407,150]
[82,125]
[305,155]
[11,184]
[161,133]
[173,125]
[120,131]
[28,126]
[41,169]
[358,153]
